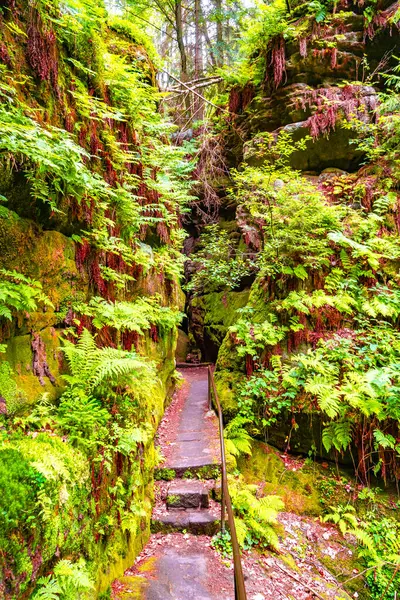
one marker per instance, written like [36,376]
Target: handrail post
[240,589]
[209,387]
[222,507]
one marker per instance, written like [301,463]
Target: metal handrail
[240,590]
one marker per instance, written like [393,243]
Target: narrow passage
[178,562]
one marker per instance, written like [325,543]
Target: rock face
[315,83]
[210,316]
[64,228]
[307,95]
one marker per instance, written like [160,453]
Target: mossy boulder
[298,488]
[335,148]
[226,383]
[182,346]
[19,363]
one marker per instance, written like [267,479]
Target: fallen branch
[177,90]
[201,82]
[196,93]
[305,585]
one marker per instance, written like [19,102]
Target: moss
[13,396]
[219,312]
[298,489]
[343,567]
[205,472]
[226,383]
[134,588]
[164,474]
[19,356]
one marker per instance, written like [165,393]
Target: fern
[237,440]
[258,516]
[136,316]
[337,435]
[69,582]
[91,366]
[19,293]
[343,517]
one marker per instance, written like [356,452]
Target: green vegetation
[281,167]
[92,194]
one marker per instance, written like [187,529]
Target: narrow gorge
[182,185]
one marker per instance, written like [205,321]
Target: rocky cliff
[92,195]
[312,211]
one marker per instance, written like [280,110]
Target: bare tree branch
[196,93]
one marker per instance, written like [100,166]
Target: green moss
[219,310]
[8,388]
[164,474]
[298,489]
[343,567]
[135,588]
[19,356]
[205,472]
[226,383]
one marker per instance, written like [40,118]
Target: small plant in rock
[164,474]
[172,499]
[221,542]
[344,517]
[370,496]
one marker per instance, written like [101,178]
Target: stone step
[201,468]
[198,522]
[186,493]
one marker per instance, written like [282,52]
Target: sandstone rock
[182,346]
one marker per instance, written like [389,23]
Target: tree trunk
[207,38]
[220,35]
[198,59]
[179,37]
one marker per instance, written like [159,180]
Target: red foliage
[381,20]
[240,98]
[82,136]
[248,94]
[69,122]
[82,252]
[330,102]
[105,338]
[129,339]
[334,58]
[154,333]
[235,100]
[4,55]
[95,144]
[278,60]
[84,323]
[111,174]
[397,215]
[249,365]
[163,232]
[42,50]
[96,278]
[303,47]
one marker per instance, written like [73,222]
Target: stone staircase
[175,566]
[187,507]
[192,467]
